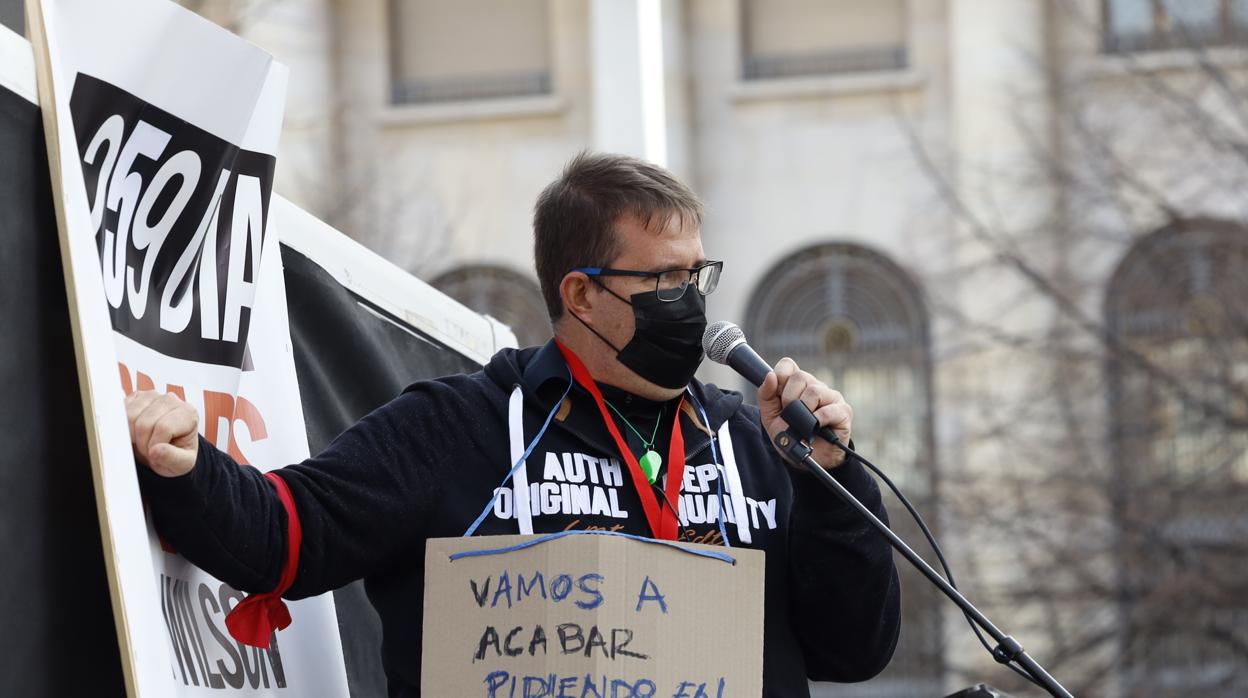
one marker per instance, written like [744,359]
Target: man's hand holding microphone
[724,343]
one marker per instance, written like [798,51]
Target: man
[623,273]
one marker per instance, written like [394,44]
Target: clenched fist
[164,431]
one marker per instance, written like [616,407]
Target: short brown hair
[574,219]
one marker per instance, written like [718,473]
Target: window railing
[496,86]
[766,67]
[1156,26]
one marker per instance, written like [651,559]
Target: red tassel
[253,621]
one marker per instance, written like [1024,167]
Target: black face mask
[666,348]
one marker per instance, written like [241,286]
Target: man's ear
[577,292]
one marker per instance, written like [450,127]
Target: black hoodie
[426,464]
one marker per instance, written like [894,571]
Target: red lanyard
[662,519]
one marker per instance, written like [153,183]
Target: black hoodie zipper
[691,454]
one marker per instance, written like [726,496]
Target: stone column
[628,95]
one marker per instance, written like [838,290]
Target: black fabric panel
[59,638]
[13,15]
[351,358]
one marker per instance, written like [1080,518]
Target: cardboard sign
[601,616]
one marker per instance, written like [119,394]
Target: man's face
[677,246]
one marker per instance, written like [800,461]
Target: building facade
[1010,231]
[938,206]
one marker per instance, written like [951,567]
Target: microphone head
[720,339]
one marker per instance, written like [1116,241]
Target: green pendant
[650,464]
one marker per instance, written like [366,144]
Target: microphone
[724,343]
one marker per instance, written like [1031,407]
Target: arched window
[1177,311]
[856,321]
[512,298]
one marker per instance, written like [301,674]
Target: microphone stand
[796,447]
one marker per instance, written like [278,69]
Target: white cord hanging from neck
[520,478]
[734,483]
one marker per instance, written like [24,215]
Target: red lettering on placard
[145,383]
[127,385]
[218,405]
[247,413]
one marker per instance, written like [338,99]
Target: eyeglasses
[671,284]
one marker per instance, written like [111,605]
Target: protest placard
[162,148]
[585,615]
